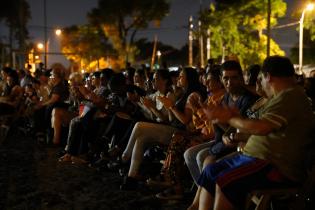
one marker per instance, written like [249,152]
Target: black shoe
[129,183]
[61,153]
[114,165]
[114,152]
[40,138]
[100,164]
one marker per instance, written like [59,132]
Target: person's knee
[200,158]
[137,126]
[189,156]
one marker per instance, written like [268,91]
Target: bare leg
[221,202]
[208,160]
[195,203]
[56,125]
[205,200]
[60,117]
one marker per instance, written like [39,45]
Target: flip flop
[64,159]
[77,160]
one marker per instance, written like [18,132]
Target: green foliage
[237,26]
[121,19]
[309,22]
[85,44]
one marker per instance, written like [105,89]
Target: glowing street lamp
[40,46]
[44,47]
[309,7]
[158,53]
[58,32]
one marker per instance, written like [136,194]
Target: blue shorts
[240,174]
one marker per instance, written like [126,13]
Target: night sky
[61,13]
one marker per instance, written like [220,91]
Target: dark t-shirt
[62,90]
[244,102]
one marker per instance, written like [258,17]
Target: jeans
[194,157]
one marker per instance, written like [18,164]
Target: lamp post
[45,46]
[45,34]
[158,53]
[190,42]
[309,7]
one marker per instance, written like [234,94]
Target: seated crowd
[234,131]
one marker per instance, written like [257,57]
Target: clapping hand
[148,103]
[167,102]
[220,114]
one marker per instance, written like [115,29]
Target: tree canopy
[16,13]
[121,19]
[237,27]
[88,46]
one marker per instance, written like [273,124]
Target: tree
[169,55]
[87,46]
[121,19]
[237,28]
[16,14]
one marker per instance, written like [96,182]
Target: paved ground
[31,178]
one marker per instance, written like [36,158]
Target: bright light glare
[310,7]
[58,32]
[40,46]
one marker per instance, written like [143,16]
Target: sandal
[169,194]
[158,183]
[77,160]
[65,158]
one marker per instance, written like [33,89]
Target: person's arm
[150,105]
[184,117]
[53,99]
[252,126]
[91,96]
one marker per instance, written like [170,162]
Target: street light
[44,47]
[40,46]
[158,53]
[309,7]
[58,32]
